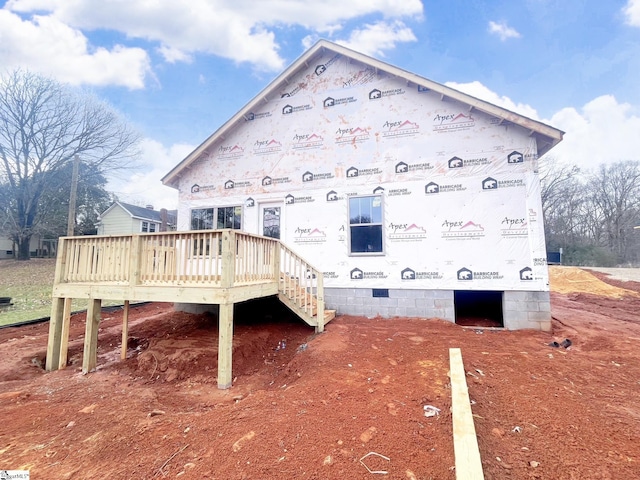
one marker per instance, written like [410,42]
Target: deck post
[90,354]
[225,345]
[64,340]
[135,261]
[320,302]
[57,311]
[228,273]
[125,330]
[55,334]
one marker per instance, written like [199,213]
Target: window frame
[235,209]
[214,217]
[382,251]
[201,219]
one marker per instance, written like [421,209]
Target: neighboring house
[38,247]
[412,198]
[124,218]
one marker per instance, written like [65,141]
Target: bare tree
[43,125]
[592,215]
[555,179]
[615,192]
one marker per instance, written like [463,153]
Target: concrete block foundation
[520,310]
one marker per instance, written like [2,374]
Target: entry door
[271,219]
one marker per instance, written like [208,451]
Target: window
[365,224]
[202,219]
[230,217]
[144,227]
[225,217]
[152,227]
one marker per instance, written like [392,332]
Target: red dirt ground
[314,408]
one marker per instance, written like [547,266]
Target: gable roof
[546,136]
[142,213]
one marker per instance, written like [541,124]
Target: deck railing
[301,282]
[222,258]
[214,259]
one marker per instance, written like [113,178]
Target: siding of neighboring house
[37,246]
[123,218]
[6,248]
[118,221]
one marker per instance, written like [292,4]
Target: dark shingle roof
[144,213]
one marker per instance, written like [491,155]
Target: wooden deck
[220,267]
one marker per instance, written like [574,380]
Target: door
[271,223]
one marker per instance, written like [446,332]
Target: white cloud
[478,90]
[241,30]
[50,47]
[503,31]
[144,186]
[376,38]
[632,12]
[602,132]
[173,55]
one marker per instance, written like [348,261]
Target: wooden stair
[301,289]
[304,304]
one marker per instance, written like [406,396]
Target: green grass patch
[29,284]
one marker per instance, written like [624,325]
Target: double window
[148,227]
[216,218]
[365,225]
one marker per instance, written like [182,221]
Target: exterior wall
[400,303]
[527,310]
[521,310]
[460,189]
[6,246]
[117,221]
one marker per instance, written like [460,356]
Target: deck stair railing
[301,288]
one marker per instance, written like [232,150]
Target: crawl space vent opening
[478,308]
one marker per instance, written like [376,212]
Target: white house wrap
[448,186]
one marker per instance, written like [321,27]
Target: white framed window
[148,227]
[366,235]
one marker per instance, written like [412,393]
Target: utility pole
[71,221]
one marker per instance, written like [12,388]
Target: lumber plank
[465,443]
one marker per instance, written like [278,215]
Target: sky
[179,69]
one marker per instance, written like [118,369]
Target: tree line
[592,215]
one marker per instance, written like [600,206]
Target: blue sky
[178,69]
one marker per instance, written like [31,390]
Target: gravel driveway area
[624,274]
